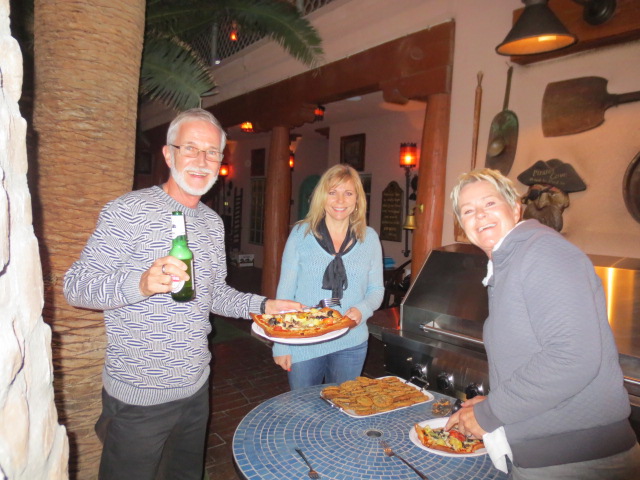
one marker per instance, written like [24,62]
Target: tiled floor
[244,375]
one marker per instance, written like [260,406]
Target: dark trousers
[163,441]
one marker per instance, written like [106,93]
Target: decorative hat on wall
[553,172]
[549,185]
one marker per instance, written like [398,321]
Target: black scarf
[335,276]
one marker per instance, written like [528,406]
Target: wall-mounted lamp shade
[292,159]
[246,127]
[224,170]
[408,155]
[537,30]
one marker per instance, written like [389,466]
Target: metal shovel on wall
[578,104]
[503,135]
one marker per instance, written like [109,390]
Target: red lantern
[319,113]
[408,155]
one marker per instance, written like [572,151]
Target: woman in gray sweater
[556,383]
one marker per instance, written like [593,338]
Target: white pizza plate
[257,329]
[438,423]
[427,398]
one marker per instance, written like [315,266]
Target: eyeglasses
[190,151]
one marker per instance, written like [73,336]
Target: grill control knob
[445,381]
[473,390]
[419,370]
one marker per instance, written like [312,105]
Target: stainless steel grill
[439,339]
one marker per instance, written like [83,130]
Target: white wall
[597,220]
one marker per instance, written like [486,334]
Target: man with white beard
[155,400]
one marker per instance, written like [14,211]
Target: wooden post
[431,196]
[277,207]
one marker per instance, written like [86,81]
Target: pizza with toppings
[452,441]
[311,322]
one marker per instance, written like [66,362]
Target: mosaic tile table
[338,446]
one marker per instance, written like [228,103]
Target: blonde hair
[503,185]
[333,177]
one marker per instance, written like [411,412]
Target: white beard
[178,177]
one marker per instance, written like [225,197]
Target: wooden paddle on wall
[458,233]
[576,105]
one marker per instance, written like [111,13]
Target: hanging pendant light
[537,30]
[233,35]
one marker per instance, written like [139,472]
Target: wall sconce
[246,127]
[538,30]
[223,173]
[319,113]
[292,159]
[408,160]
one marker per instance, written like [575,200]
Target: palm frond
[172,73]
[276,19]
[183,18]
[281,22]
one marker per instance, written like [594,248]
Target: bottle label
[177,226]
[176,284]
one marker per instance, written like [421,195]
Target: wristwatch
[263,305]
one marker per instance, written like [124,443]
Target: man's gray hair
[191,115]
[503,185]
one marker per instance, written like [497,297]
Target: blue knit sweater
[157,348]
[303,264]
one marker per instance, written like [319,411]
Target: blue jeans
[335,367]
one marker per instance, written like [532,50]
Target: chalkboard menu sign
[391,216]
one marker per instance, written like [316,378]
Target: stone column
[32,444]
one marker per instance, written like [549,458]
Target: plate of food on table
[431,436]
[311,325]
[365,397]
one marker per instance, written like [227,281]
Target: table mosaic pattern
[340,447]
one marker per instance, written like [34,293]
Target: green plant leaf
[276,19]
[173,74]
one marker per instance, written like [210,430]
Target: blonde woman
[332,253]
[556,382]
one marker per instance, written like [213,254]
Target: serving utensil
[329,303]
[312,472]
[390,453]
[503,135]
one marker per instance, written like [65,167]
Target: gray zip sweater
[556,383]
[157,348]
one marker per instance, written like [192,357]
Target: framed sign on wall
[352,151]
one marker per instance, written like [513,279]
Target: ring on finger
[164,265]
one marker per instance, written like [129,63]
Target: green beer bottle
[181,291]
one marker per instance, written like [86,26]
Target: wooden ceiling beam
[414,66]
